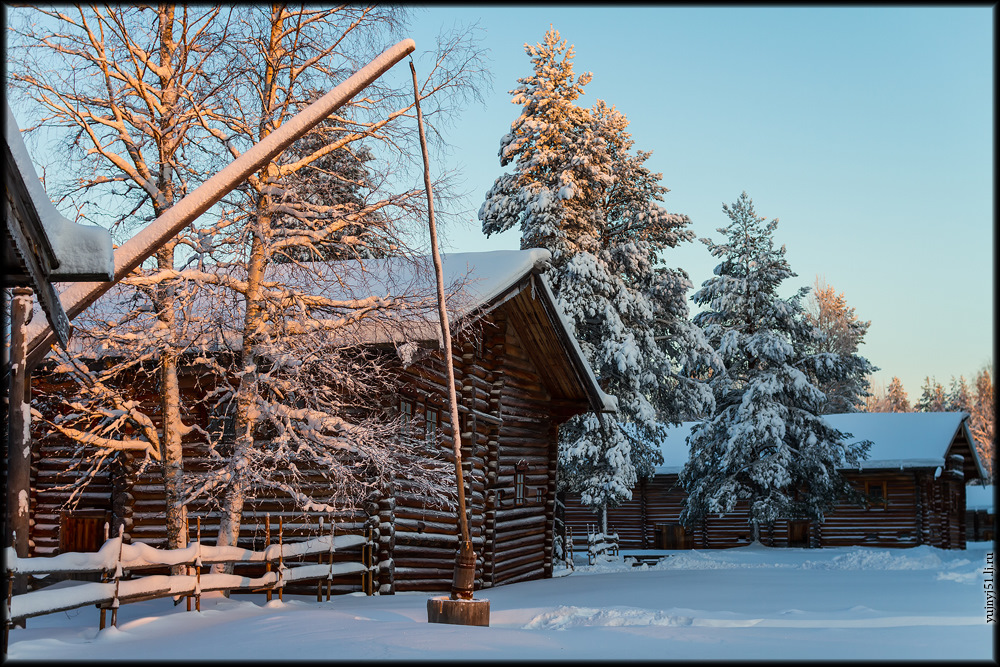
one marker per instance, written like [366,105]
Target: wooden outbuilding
[915,477]
[980,513]
[520,374]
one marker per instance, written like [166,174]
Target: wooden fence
[117,561]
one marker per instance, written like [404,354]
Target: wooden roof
[530,307]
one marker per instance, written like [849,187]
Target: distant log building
[915,477]
[520,374]
[980,513]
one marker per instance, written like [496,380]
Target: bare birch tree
[277,222]
[124,86]
[301,384]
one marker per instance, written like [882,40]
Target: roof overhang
[43,246]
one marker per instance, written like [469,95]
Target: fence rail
[117,560]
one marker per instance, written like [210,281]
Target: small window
[519,470]
[539,495]
[431,425]
[876,492]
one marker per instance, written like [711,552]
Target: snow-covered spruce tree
[932,397]
[959,396]
[842,334]
[124,88]
[765,443]
[578,190]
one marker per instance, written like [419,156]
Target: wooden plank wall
[920,510]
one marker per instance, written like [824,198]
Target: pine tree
[579,190]
[959,397]
[765,443]
[897,400]
[842,334]
[932,398]
[982,422]
[330,211]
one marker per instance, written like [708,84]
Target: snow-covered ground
[736,604]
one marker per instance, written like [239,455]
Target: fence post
[319,582]
[118,575]
[329,576]
[187,568]
[197,569]
[370,549]
[267,561]
[104,576]
[281,558]
[7,622]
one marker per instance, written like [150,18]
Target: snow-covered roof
[82,252]
[899,439]
[979,497]
[474,282]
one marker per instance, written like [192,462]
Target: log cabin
[520,373]
[980,513]
[915,477]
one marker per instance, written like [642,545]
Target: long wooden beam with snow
[143,245]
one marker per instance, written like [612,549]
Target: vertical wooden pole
[329,577]
[118,567]
[7,622]
[197,569]
[18,533]
[319,582]
[187,568]
[267,562]
[464,578]
[281,555]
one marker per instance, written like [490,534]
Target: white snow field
[747,603]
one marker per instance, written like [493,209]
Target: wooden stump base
[443,609]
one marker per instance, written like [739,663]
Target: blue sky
[868,132]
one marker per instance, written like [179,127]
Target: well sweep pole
[143,245]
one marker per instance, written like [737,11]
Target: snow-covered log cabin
[915,475]
[520,374]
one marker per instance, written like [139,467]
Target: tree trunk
[171,449]
[19,435]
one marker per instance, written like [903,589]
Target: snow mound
[878,560]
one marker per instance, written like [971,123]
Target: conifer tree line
[977,398]
[757,371]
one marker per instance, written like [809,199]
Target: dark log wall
[515,384]
[920,509]
[523,529]
[131,494]
[426,537]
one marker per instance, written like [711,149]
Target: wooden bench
[639,558]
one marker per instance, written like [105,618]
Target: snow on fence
[601,546]
[117,560]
